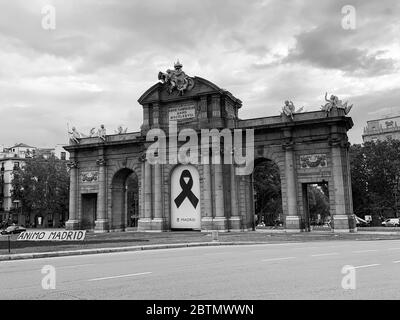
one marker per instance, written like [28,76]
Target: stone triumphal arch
[108,169]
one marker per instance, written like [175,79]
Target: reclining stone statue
[334,102]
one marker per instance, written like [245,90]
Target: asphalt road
[261,272]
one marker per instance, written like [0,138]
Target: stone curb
[38,255]
[389,233]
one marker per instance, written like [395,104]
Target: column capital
[72,164]
[142,157]
[101,162]
[336,142]
[288,145]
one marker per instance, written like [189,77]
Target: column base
[235,223]
[293,224]
[101,226]
[343,223]
[206,223]
[72,225]
[144,224]
[158,224]
[220,224]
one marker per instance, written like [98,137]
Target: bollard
[9,244]
[214,235]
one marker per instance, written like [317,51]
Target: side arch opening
[124,200]
[267,190]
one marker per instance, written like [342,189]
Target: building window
[16,165]
[63,156]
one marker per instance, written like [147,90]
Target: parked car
[392,222]
[13,230]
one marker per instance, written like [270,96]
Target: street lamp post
[17,206]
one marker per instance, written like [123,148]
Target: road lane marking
[324,254]
[277,259]
[394,249]
[120,276]
[295,248]
[362,251]
[307,248]
[219,253]
[335,246]
[398,261]
[75,266]
[367,266]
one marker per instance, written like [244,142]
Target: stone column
[293,221]
[343,219]
[158,220]
[249,199]
[156,115]
[101,223]
[147,190]
[235,220]
[141,195]
[203,115]
[206,219]
[73,222]
[203,107]
[220,221]
[216,111]
[144,222]
[146,118]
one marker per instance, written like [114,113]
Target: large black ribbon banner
[186,190]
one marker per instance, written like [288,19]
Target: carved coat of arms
[313,161]
[176,80]
[89,176]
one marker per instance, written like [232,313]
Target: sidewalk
[131,241]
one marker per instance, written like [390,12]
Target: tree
[318,201]
[375,173]
[359,180]
[42,186]
[267,184]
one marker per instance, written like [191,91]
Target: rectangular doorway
[89,210]
[316,207]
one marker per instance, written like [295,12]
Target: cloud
[104,54]
[323,47]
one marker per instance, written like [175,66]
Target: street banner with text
[62,235]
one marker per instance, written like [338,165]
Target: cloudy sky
[102,55]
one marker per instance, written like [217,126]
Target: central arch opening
[316,205]
[185,198]
[124,200]
[267,194]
